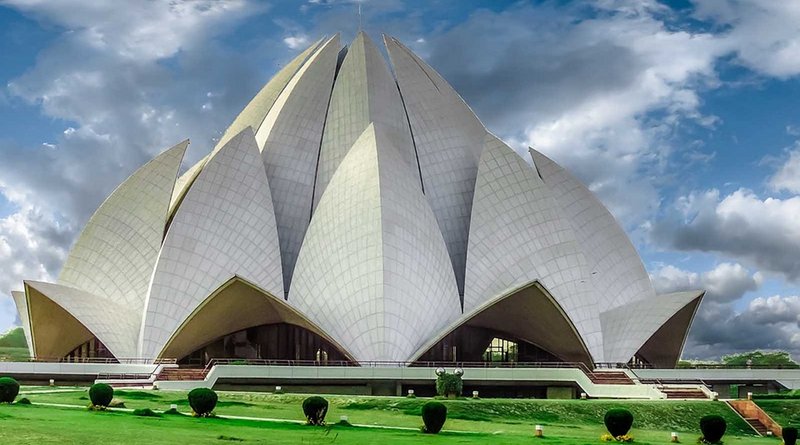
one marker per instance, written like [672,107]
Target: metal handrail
[384,364]
[102,360]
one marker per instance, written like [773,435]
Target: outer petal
[115,253]
[224,227]
[63,318]
[24,317]
[528,312]
[364,92]
[235,306]
[618,275]
[290,139]
[448,139]
[626,329]
[519,234]
[373,271]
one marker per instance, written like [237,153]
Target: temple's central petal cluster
[361,214]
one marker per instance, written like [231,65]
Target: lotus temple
[357,213]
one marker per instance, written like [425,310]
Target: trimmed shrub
[203,401]
[9,388]
[315,408]
[23,401]
[618,421]
[434,415]
[790,435]
[448,385]
[145,412]
[713,428]
[172,411]
[101,394]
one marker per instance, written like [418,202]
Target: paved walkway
[259,419]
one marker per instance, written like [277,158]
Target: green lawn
[497,421]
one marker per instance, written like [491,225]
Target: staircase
[182,374]
[760,421]
[610,378]
[683,393]
[757,425]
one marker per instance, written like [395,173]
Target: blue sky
[682,116]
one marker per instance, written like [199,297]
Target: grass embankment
[786,412]
[501,421]
[13,345]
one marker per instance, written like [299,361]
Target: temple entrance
[477,344]
[277,341]
[92,349]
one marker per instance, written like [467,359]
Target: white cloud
[788,175]
[727,282]
[762,232]
[296,42]
[104,74]
[765,35]
[135,29]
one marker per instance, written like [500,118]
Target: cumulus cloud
[765,35]
[766,323]
[727,282]
[787,178]
[762,232]
[130,78]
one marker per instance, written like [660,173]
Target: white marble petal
[618,275]
[225,227]
[448,140]
[519,234]
[364,92]
[373,271]
[627,327]
[111,322]
[24,317]
[117,249]
[290,142]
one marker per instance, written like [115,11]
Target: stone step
[181,374]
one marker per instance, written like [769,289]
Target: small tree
[790,435]
[713,428]
[434,414]
[203,401]
[618,421]
[9,388]
[101,395]
[315,408]
[449,385]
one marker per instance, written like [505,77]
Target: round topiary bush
[713,428]
[101,394]
[434,415]
[23,401]
[618,421]
[790,435]
[9,388]
[315,408]
[202,401]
